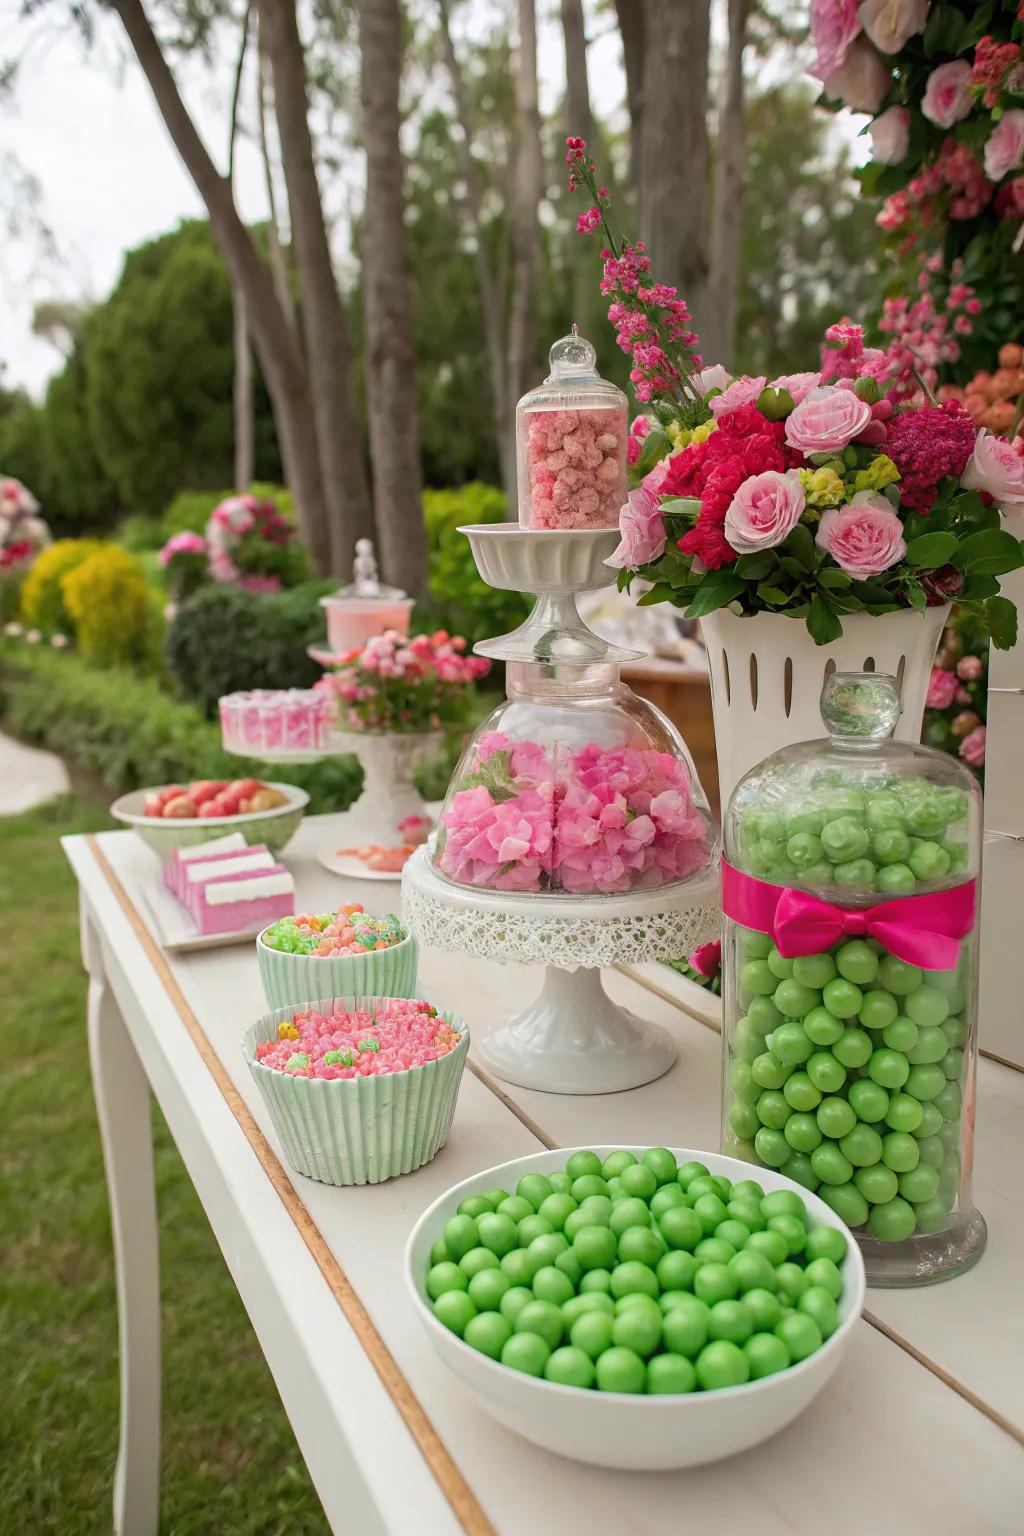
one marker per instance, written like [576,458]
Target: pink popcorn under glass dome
[573,786]
[571,434]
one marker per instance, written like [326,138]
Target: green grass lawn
[230,1463]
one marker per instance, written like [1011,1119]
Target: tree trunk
[329,354]
[580,123]
[389,354]
[631,30]
[275,245]
[492,292]
[674,144]
[243,396]
[280,359]
[722,292]
[522,341]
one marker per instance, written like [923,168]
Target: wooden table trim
[453,1485]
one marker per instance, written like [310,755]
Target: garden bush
[130,733]
[109,601]
[141,532]
[458,599]
[223,639]
[42,596]
[190,510]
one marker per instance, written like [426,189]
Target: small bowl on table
[358,1130]
[623,1430]
[275,827]
[289,979]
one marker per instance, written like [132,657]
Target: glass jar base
[926,1258]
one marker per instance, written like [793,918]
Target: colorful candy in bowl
[349,951]
[638,1309]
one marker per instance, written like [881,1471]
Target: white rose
[891,23]
[890,135]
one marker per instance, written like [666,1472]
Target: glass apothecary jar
[573,786]
[850,981]
[571,436]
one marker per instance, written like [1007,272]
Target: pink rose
[642,531]
[798,384]
[942,688]
[862,80]
[763,511]
[890,135]
[946,97]
[834,25]
[1004,148]
[826,420]
[891,23]
[655,478]
[996,467]
[714,377]
[743,391]
[864,538]
[970,668]
[972,748]
[706,959]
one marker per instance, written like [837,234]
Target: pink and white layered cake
[174,871]
[244,894]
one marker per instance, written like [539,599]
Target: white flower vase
[767,675]
[389,760]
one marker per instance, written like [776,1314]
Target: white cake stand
[572,1038]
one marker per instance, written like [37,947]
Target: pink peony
[799,385]
[834,25]
[891,23]
[862,81]
[864,538]
[970,668]
[972,748]
[890,135]
[996,467]
[641,529]
[743,391]
[763,511]
[1004,148]
[826,420]
[942,688]
[946,97]
[714,377]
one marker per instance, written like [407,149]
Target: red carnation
[708,543]
[687,471]
[926,444]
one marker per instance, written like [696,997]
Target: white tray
[173,926]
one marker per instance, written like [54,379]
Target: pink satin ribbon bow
[922,930]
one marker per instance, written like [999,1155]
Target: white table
[922,1430]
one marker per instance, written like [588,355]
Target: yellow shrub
[109,602]
[42,600]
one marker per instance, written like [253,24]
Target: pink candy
[576,468]
[403,1033]
[274,719]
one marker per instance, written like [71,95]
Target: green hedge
[130,733]
[459,599]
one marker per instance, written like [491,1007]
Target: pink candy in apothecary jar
[572,433]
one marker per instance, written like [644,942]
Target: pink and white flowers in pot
[397,685]
[23,533]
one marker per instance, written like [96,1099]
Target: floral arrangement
[248,543]
[816,495]
[944,83]
[394,683]
[528,817]
[955,709]
[23,533]
[704,966]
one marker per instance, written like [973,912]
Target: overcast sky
[84,125]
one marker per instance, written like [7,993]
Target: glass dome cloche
[573,786]
[571,438]
[850,981]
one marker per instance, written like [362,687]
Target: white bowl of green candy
[640,1309]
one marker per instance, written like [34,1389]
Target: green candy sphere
[830,1165]
[710,1211]
[670,1197]
[460,1235]
[773,1110]
[842,998]
[821,1026]
[817,1304]
[800,1093]
[766,1355]
[919,1184]
[889,1069]
[542,1318]
[513,1302]
[928,861]
[862,1146]
[444,1277]
[488,1332]
[629,1212]
[596,1282]
[856,961]
[615,1162]
[902,1034]
[517,1267]
[814,971]
[721,1364]
[824,1272]
[515,1208]
[926,1005]
[847,1202]
[681,1228]
[892,1222]
[569,1367]
[800,1334]
[877,1185]
[592,1333]
[557,1208]
[855,874]
[772,1148]
[930,1046]
[661,1163]
[802,1133]
[794,1000]
[534,1188]
[487,1288]
[670,1374]
[878,1010]
[883,811]
[498,1233]
[714,1282]
[641,1244]
[633,1276]
[583,1163]
[595,1247]
[804,849]
[475,1205]
[768,1072]
[900,1151]
[763,1016]
[639,1329]
[685,1328]
[896,880]
[455,1310]
[869,1100]
[770,1244]
[550,1284]
[439,1251]
[620,1370]
[639,1182]
[853,1048]
[844,839]
[825,1072]
[526,1352]
[531,1227]
[897,977]
[798,1167]
[927,1083]
[836,1118]
[780,966]
[890,846]
[792,1231]
[546,1249]
[904,1113]
[731,1320]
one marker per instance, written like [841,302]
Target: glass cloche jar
[573,786]
[571,435]
[850,981]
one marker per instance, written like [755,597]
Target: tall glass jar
[850,981]
[571,435]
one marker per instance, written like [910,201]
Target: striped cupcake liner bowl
[290,979]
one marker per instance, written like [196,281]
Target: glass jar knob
[571,356]
[860,706]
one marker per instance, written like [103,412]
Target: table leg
[123,1105]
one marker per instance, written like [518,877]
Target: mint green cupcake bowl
[358,1130]
[290,979]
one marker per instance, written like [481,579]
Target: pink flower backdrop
[943,81]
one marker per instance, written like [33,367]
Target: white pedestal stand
[572,1038]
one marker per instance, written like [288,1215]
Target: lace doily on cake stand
[572,1038]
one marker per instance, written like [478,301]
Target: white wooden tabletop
[921,1430]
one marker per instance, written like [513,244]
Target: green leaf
[1001,621]
[754,567]
[976,587]
[870,592]
[716,589]
[931,550]
[836,579]
[822,621]
[774,596]
[680,506]
[794,568]
[656,447]
[991,553]
[661,592]
[800,544]
[623,579]
[916,596]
